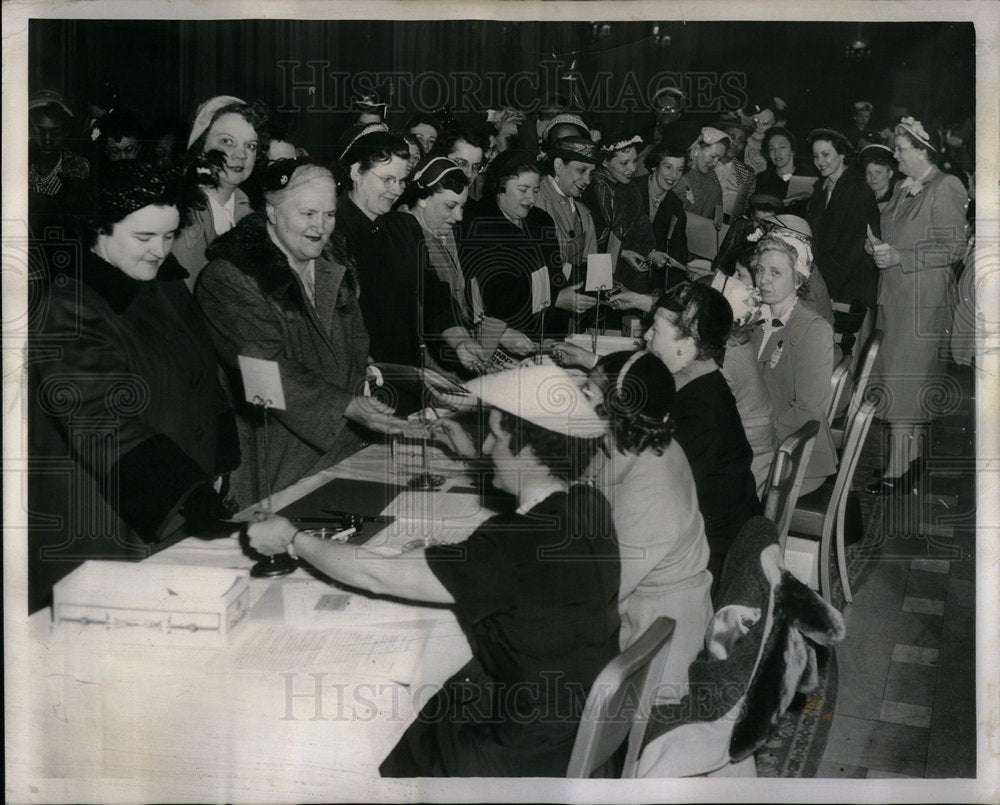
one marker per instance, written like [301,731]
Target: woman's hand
[450,432]
[572,300]
[661,259]
[885,256]
[572,355]
[371,413]
[473,356]
[630,300]
[270,534]
[636,260]
[516,342]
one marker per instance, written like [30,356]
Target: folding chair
[821,514]
[862,384]
[785,478]
[619,703]
[838,383]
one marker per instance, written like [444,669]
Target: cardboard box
[151,603]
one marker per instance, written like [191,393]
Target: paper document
[703,239]
[317,605]
[800,186]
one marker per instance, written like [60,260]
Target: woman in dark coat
[779,149]
[127,413]
[276,289]
[691,323]
[664,167]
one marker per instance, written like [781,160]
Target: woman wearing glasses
[403,302]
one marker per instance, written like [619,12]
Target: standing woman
[699,188]
[779,149]
[923,234]
[621,219]
[403,302]
[794,347]
[508,249]
[879,166]
[130,397]
[237,130]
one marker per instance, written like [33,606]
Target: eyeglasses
[464,163]
[389,181]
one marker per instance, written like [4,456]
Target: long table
[110,722]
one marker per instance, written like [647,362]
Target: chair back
[833,522]
[785,478]
[862,384]
[620,701]
[838,384]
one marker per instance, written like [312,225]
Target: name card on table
[262,382]
[541,292]
[599,273]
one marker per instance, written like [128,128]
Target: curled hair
[254,113]
[475,137]
[376,148]
[661,151]
[453,180]
[703,314]
[495,183]
[566,457]
[634,430]
[777,131]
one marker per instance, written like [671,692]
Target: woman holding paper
[508,249]
[128,394]
[282,287]
[535,590]
[784,178]
[923,235]
[699,189]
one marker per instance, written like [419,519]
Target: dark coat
[502,257]
[839,231]
[669,214]
[126,416]
[403,301]
[256,306]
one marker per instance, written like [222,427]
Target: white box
[152,603]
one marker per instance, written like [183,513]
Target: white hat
[544,395]
[203,117]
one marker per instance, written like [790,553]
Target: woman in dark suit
[664,167]
[780,149]
[128,415]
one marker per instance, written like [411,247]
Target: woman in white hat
[232,133]
[535,589]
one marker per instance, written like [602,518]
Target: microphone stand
[280,564]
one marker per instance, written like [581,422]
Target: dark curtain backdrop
[310,70]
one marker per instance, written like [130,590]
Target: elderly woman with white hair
[794,346]
[280,288]
[236,131]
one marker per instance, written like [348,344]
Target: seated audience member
[466,146]
[665,165]
[881,172]
[235,132]
[508,249]
[699,189]
[780,148]
[403,302]
[129,396]
[164,146]
[535,589]
[743,374]
[623,227]
[794,347]
[56,175]
[279,288]
[737,179]
[117,136]
[764,115]
[426,128]
[661,534]
[690,327]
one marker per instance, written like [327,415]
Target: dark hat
[702,311]
[637,383]
[505,162]
[431,171]
[574,149]
[126,186]
[369,103]
[733,120]
[876,153]
[833,136]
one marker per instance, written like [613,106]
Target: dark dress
[539,604]
[669,223]
[501,257]
[707,424]
[126,417]
[403,301]
[839,230]
[771,183]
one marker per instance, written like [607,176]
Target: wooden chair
[862,384]
[821,514]
[838,383]
[785,478]
[620,701]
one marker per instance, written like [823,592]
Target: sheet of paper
[541,292]
[428,518]
[367,653]
[599,273]
[317,605]
[702,238]
[476,293]
[800,185]
[262,382]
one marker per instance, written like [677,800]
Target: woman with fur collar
[278,287]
